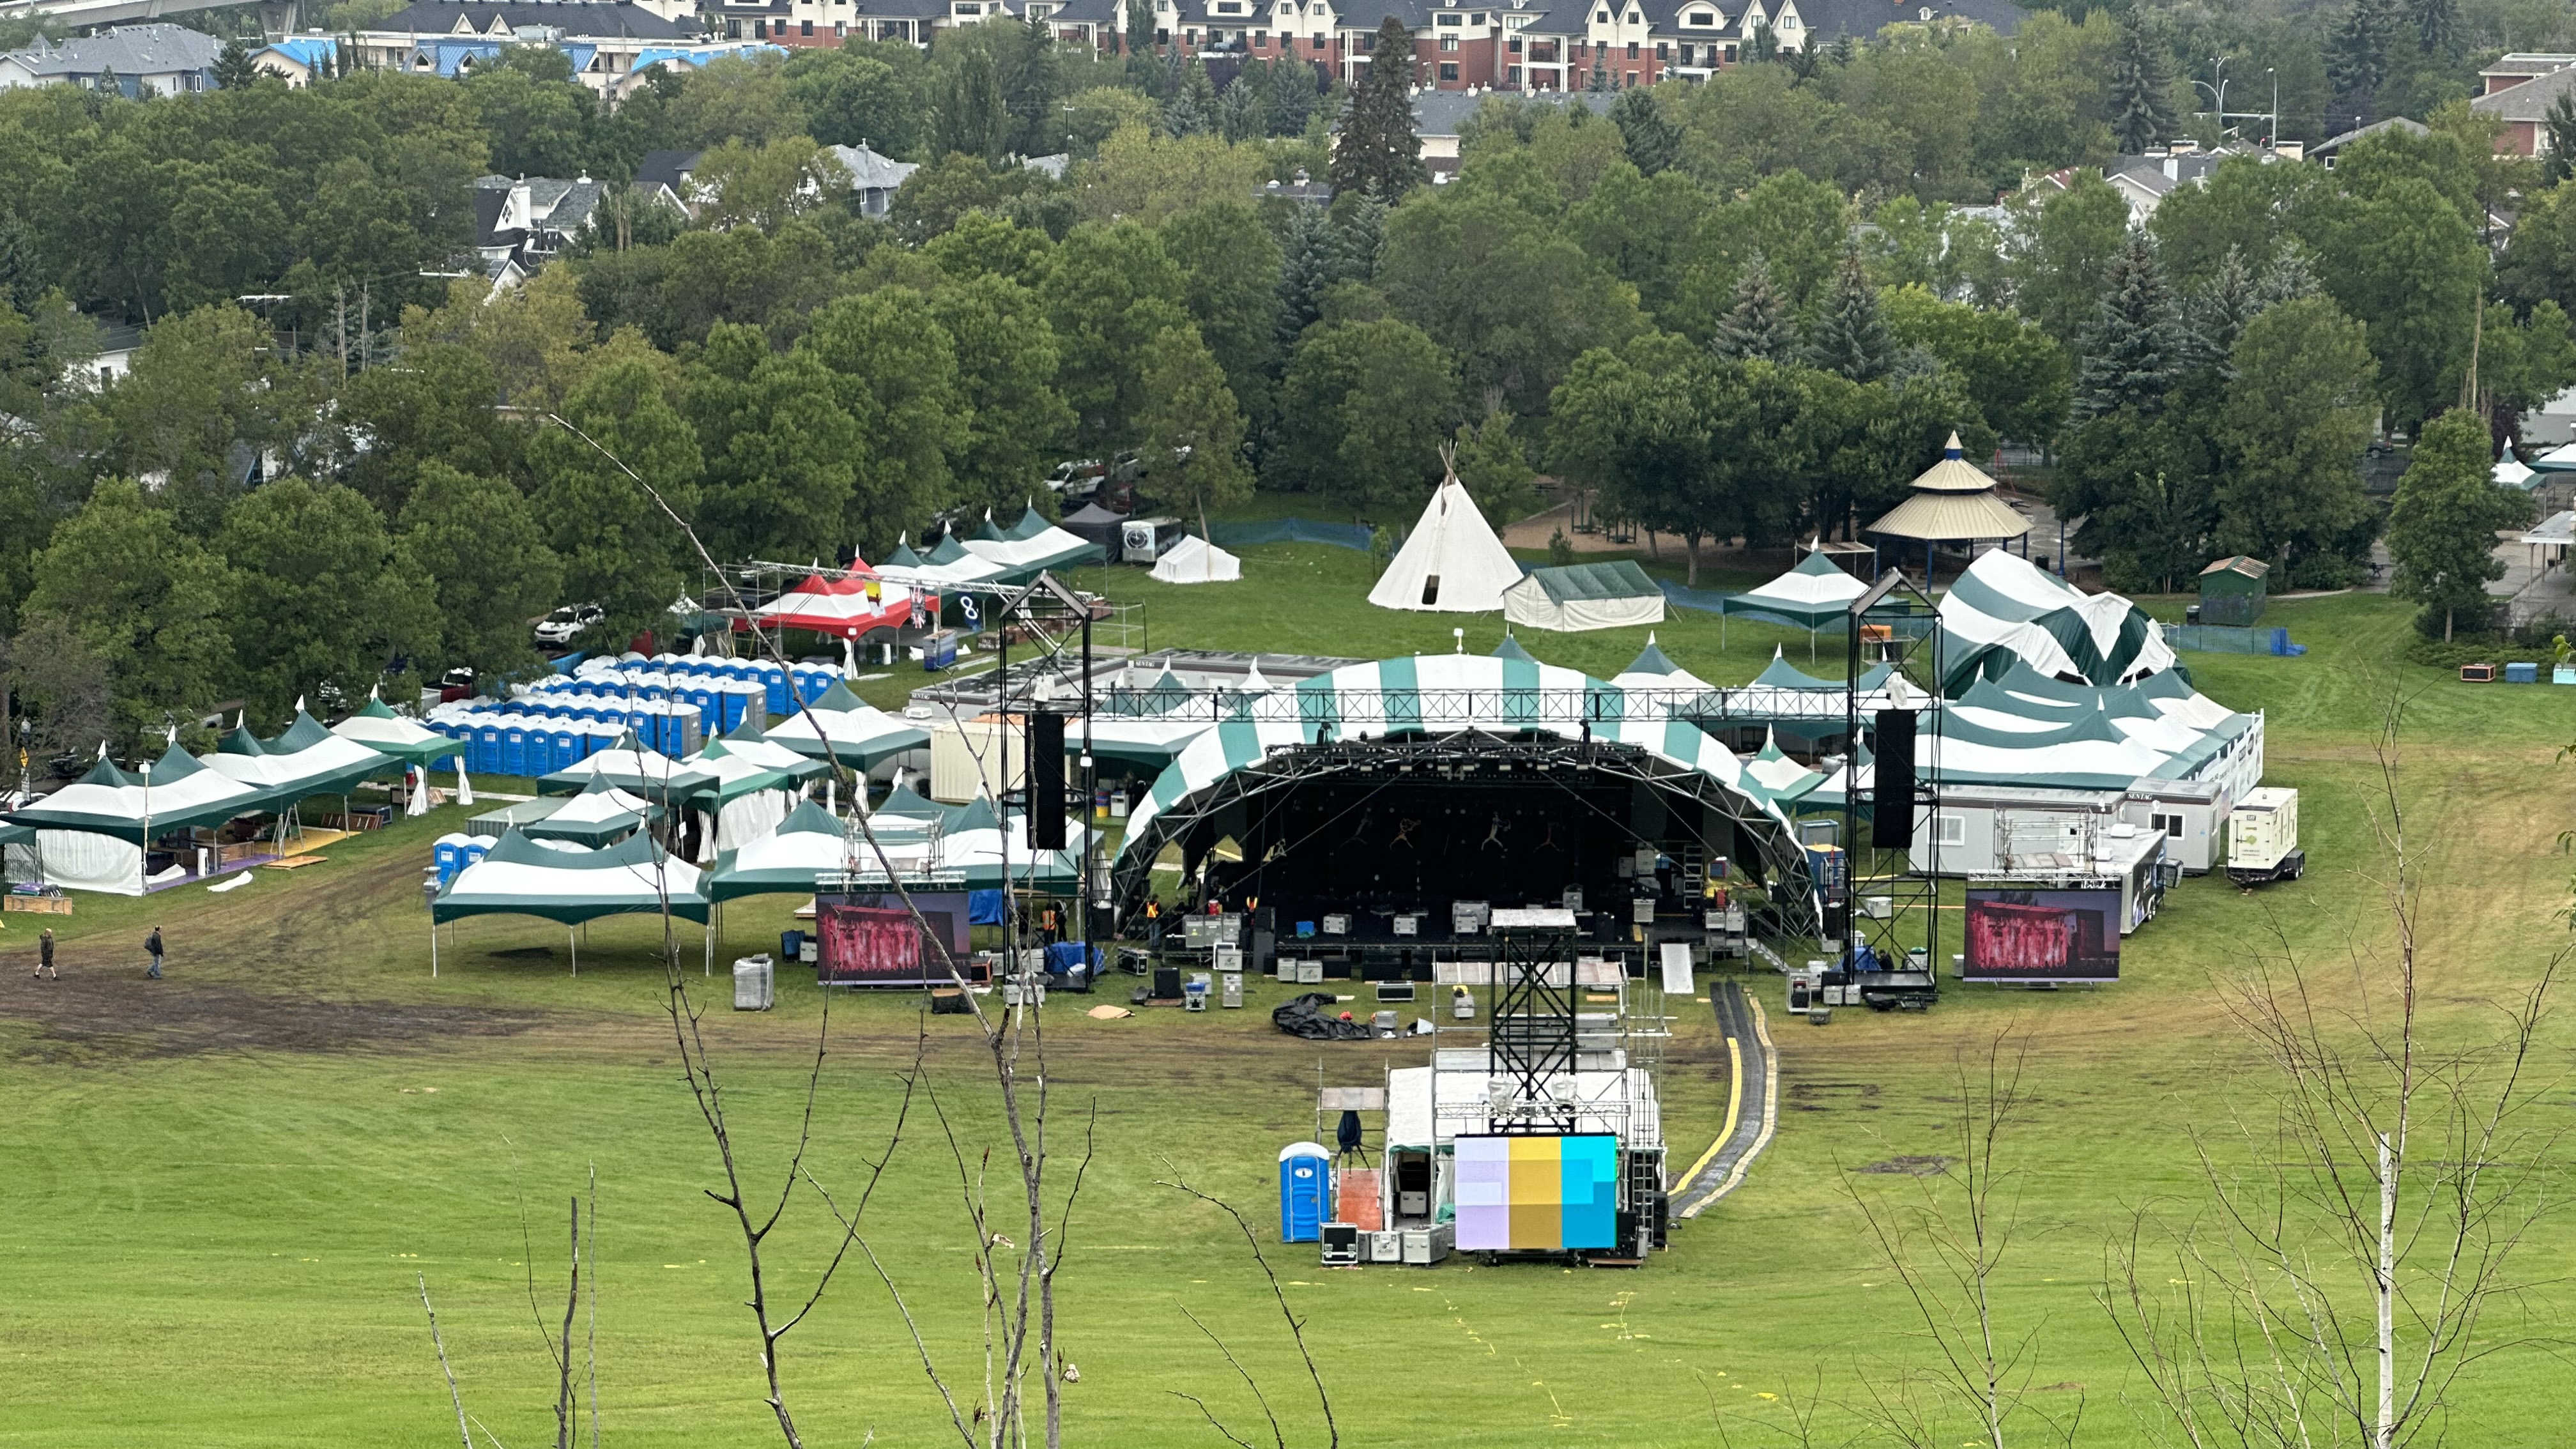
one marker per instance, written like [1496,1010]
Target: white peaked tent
[2510,469]
[1194,560]
[1452,563]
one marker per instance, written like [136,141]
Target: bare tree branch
[440,1345]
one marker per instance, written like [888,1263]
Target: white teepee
[1452,564]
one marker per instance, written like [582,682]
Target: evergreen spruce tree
[2222,307]
[1599,80]
[1849,335]
[2437,28]
[1242,114]
[1760,324]
[2142,113]
[233,69]
[2560,122]
[2290,277]
[2135,348]
[1140,27]
[1653,141]
[1306,268]
[1378,152]
[1193,108]
[1359,225]
[2357,56]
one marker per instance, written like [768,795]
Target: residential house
[2144,181]
[2523,107]
[2508,71]
[133,60]
[829,22]
[670,177]
[2332,147]
[298,60]
[609,42]
[114,358]
[873,178]
[1440,118]
[520,223]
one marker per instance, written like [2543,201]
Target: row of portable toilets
[455,851]
[513,742]
[674,707]
[680,676]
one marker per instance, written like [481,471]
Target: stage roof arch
[1449,696]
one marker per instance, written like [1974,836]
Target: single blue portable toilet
[566,745]
[514,748]
[1305,1191]
[487,745]
[448,854]
[776,685]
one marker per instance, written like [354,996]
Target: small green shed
[2231,590]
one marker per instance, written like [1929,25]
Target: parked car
[565,624]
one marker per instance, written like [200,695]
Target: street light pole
[2272,138]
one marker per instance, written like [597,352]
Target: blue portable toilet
[487,744]
[474,849]
[564,745]
[1305,1191]
[702,694]
[448,854]
[775,684]
[514,747]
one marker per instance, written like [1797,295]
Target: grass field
[215,1191]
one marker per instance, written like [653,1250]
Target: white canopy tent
[1194,560]
[1452,563]
[1576,597]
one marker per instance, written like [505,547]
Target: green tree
[2359,53]
[744,100]
[474,539]
[983,243]
[2015,374]
[2291,435]
[434,406]
[1493,465]
[1378,152]
[2141,100]
[537,120]
[2403,259]
[1015,422]
[1191,432]
[2559,125]
[233,70]
[1653,142]
[2059,278]
[1642,227]
[1112,292]
[870,98]
[765,184]
[1847,334]
[1192,110]
[2442,524]
[321,596]
[147,598]
[777,444]
[619,549]
[1760,324]
[209,401]
[971,119]
[2135,348]
[1230,268]
[897,377]
[1508,294]
[1363,408]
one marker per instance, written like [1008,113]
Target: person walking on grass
[152,944]
[45,955]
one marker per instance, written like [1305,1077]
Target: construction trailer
[1982,828]
[2192,814]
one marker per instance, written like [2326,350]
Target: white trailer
[2263,838]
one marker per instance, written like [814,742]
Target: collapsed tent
[524,877]
[1310,1015]
[1451,563]
[1194,560]
[1575,597]
[843,608]
[2002,609]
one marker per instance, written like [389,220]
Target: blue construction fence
[2229,639]
[1289,530]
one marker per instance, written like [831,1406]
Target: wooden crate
[38,905]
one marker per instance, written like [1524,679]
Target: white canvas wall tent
[1451,563]
[1194,560]
[840,726]
[566,883]
[2003,608]
[1576,597]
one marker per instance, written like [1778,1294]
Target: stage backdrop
[2016,935]
[871,940]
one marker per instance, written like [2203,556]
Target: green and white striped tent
[1030,547]
[2003,608]
[1812,595]
[641,772]
[1438,694]
[809,844]
[524,877]
[972,846]
[840,726]
[600,814]
[380,729]
[305,759]
[175,792]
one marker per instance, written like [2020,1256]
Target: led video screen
[2016,935]
[871,940]
[1537,1194]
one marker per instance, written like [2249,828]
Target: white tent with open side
[1452,563]
[1574,597]
[1194,560]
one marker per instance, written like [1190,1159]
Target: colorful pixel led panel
[1537,1194]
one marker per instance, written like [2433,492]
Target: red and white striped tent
[838,607]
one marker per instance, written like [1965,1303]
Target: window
[1663,51]
[1512,74]
[1600,17]
[1261,39]
[1701,18]
[1318,41]
[1727,54]
[1162,37]
[1448,20]
[1788,22]
[1368,42]
[1632,50]
[1448,42]
[1515,44]
[1476,19]
[1632,78]
[969,10]
[2169,824]
[806,27]
[1189,37]
[1448,70]
[1949,831]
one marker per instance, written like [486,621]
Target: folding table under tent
[1194,560]
[94,831]
[1814,593]
[600,815]
[1451,563]
[1576,597]
[567,884]
[843,727]
[838,608]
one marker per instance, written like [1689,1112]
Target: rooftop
[128,50]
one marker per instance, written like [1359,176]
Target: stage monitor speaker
[1891,825]
[1046,781]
